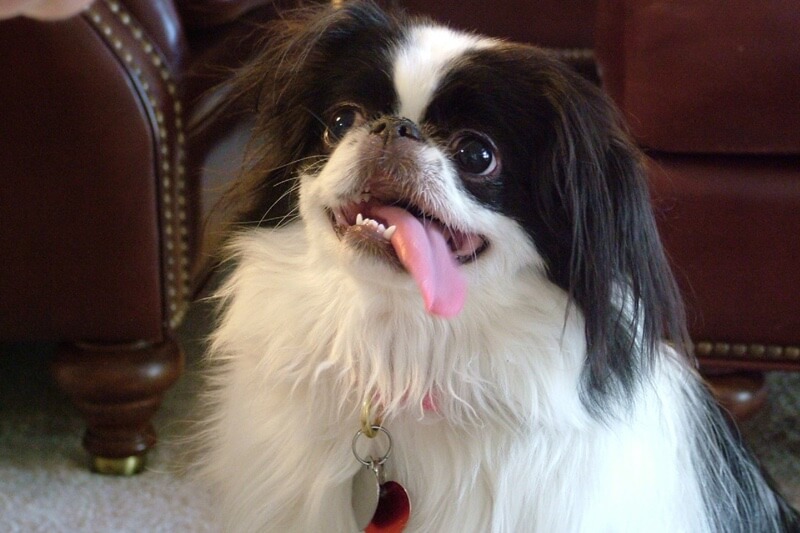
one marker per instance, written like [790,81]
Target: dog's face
[445,139]
[419,178]
[450,161]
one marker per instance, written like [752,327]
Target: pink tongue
[424,252]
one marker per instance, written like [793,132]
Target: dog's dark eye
[475,155]
[340,122]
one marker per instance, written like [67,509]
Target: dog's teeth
[376,226]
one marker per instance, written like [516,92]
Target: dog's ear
[603,245]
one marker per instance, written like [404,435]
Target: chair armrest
[95,226]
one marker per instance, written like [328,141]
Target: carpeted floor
[45,487]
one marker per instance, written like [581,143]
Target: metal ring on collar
[375,429]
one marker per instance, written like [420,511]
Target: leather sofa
[104,136]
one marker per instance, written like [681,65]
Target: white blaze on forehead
[422,62]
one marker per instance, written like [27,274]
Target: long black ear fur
[604,247]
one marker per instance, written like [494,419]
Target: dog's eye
[341,120]
[475,155]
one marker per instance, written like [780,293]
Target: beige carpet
[44,483]
[44,486]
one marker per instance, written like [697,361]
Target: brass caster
[118,466]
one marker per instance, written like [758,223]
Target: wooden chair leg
[742,393]
[117,390]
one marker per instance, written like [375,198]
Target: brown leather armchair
[102,198]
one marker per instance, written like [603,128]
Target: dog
[465,303]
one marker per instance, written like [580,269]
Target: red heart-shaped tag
[394,509]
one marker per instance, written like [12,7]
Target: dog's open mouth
[370,221]
[407,237]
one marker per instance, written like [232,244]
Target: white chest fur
[509,448]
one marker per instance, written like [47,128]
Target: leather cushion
[699,76]
[733,241]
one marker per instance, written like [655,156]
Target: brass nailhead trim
[178,292]
[574,54]
[752,351]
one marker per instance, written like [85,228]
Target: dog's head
[437,158]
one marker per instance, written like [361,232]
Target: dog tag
[393,512]
[378,506]
[366,494]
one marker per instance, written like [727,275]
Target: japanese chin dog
[464,320]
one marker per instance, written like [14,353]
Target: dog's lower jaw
[368,242]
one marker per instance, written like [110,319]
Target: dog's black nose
[390,128]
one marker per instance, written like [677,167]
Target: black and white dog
[473,257]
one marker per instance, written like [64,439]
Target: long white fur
[309,330]
[510,449]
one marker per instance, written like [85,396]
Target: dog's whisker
[316,159]
[285,194]
[288,218]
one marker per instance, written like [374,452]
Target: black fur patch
[575,182]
